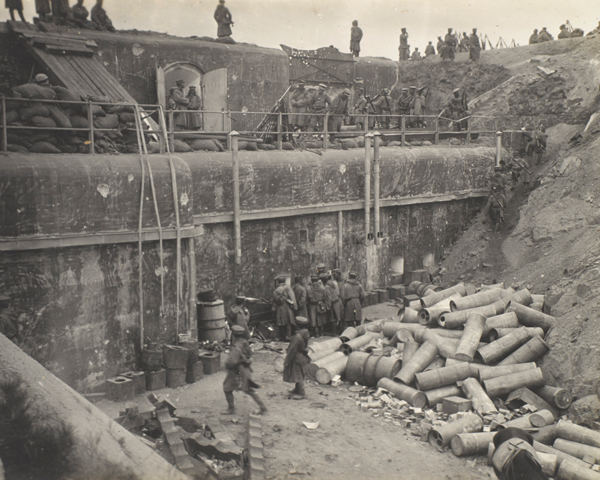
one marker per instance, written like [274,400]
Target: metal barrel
[370,327]
[211,321]
[496,333]
[578,450]
[355,368]
[477,443]
[531,351]
[431,300]
[370,379]
[504,346]
[479,299]
[446,346]
[437,395]
[409,315]
[561,456]
[404,336]
[521,422]
[492,286]
[505,320]
[440,436]
[486,372]
[330,370]
[438,362]
[410,348]
[330,345]
[522,296]
[546,434]
[541,418]
[502,385]
[532,318]
[481,402]
[577,433]
[390,328]
[414,397]
[467,346]
[348,334]
[321,362]
[441,377]
[387,367]
[570,470]
[548,462]
[538,298]
[559,397]
[357,342]
[422,357]
[430,316]
[458,319]
[537,306]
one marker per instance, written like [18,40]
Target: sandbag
[11,147]
[220,145]
[40,137]
[63,93]
[121,108]
[38,121]
[108,121]
[242,145]
[394,143]
[96,111]
[33,90]
[18,140]
[207,145]
[98,98]
[153,147]
[33,110]
[11,116]
[314,144]
[349,143]
[127,117]
[59,117]
[181,146]
[64,148]
[44,147]
[287,146]
[251,146]
[77,121]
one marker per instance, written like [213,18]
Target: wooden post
[376,232]
[91,122]
[340,238]
[279,133]
[192,284]
[403,130]
[437,131]
[4,126]
[236,197]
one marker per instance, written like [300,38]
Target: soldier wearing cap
[181,102]
[429,50]
[337,112]
[336,304]
[449,46]
[361,106]
[239,372]
[416,109]
[321,268]
[352,295]
[457,111]
[9,323]
[297,360]
[534,38]
[383,105]
[319,105]
[416,55]
[318,304]
[299,104]
[239,315]
[301,297]
[545,36]
[285,304]
[403,103]
[337,277]
[42,79]
[440,46]
[356,35]
[195,103]
[403,48]
[474,46]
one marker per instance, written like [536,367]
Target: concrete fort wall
[69,236]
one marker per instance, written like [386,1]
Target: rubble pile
[456,366]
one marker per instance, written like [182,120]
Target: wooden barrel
[211,321]
[355,368]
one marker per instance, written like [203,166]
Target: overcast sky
[309,24]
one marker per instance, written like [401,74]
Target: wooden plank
[67,42]
[91,83]
[62,50]
[109,83]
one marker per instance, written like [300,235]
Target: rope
[163,126]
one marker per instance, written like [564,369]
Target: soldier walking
[297,360]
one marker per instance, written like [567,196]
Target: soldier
[497,203]
[299,104]
[534,38]
[238,314]
[321,268]
[458,111]
[416,54]
[297,360]
[352,295]
[474,46]
[464,42]
[364,106]
[194,119]
[239,372]
[100,18]
[440,46]
[356,35]
[404,103]
[336,304]
[301,297]
[318,305]
[13,5]
[536,143]
[224,20]
[319,105]
[42,8]
[9,323]
[338,111]
[181,103]
[564,32]
[171,104]
[337,277]
[285,304]
[449,46]
[403,48]
[429,50]
[79,11]
[416,120]
[383,105]
[544,36]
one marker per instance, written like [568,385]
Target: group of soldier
[178,100]
[565,32]
[446,47]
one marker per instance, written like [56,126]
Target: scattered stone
[585,411]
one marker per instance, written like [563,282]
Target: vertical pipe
[192,283]
[91,122]
[325,132]
[376,186]
[236,197]
[171,131]
[403,128]
[437,130]
[4,126]
[279,133]
[368,138]
[367,123]
[498,148]
[340,238]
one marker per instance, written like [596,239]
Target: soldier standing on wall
[474,46]
[429,50]
[356,35]
[13,5]
[100,17]
[449,46]
[338,111]
[224,20]
[534,37]
[299,104]
[403,48]
[440,46]
[383,104]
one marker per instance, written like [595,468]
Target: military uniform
[352,295]
[429,50]
[301,298]
[449,45]
[356,35]
[319,105]
[403,48]
[299,104]
[239,315]
[195,103]
[181,103]
[534,38]
[224,20]
[339,106]
[285,304]
[100,18]
[474,46]
[318,304]
[296,360]
[336,304]
[383,104]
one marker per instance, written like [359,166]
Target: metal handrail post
[403,131]
[4,126]
[237,229]
[437,131]
[171,131]
[376,186]
[279,131]
[325,132]
[91,122]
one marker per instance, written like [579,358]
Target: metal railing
[390,125]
